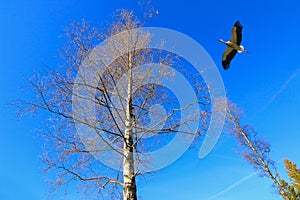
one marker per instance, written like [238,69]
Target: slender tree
[257,150]
[124,106]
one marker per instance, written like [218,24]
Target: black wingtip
[225,65]
[238,24]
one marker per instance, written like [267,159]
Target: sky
[265,84]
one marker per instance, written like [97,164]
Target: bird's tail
[220,40]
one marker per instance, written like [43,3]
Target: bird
[233,45]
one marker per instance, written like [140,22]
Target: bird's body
[233,45]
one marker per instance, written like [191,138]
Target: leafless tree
[123,106]
[256,150]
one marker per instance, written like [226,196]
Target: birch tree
[257,151]
[126,119]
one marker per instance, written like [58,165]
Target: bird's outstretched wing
[227,57]
[236,31]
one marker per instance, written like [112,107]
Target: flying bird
[233,45]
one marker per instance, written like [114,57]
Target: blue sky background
[265,83]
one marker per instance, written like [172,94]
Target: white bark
[129,191]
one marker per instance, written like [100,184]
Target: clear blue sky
[265,83]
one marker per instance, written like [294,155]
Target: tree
[293,189]
[257,150]
[123,106]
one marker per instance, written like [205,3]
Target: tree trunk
[129,192]
[265,166]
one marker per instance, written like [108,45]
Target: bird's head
[240,49]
